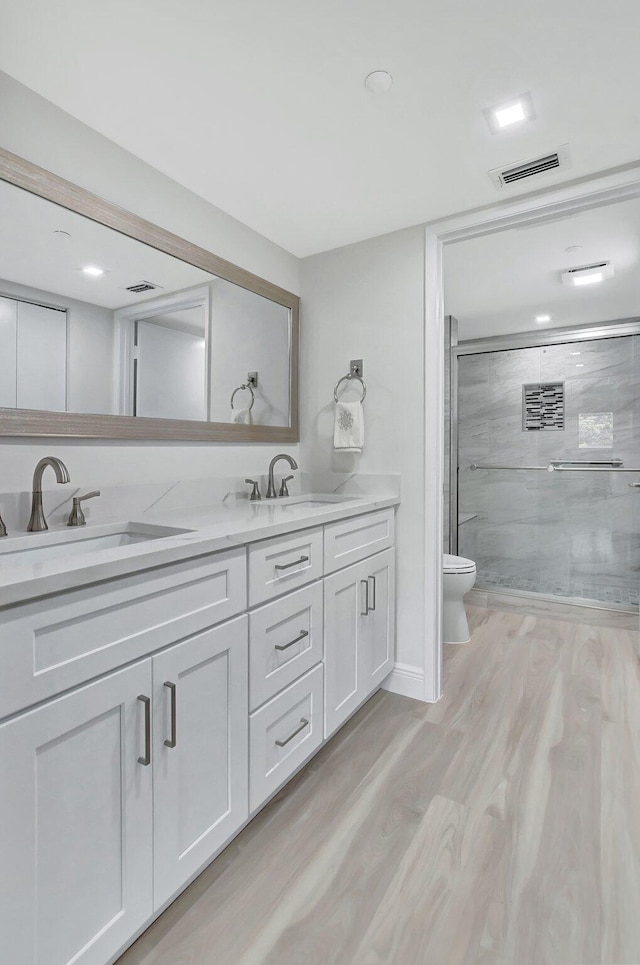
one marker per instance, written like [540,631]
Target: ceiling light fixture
[541,319]
[378,81]
[502,116]
[574,353]
[93,270]
[587,274]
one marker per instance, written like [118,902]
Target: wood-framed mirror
[114,328]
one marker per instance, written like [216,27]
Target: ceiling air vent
[531,167]
[142,286]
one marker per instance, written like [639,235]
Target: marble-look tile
[551,529]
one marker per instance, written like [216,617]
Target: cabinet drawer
[283,734]
[58,642]
[352,540]
[285,640]
[284,563]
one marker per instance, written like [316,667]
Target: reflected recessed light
[540,319]
[502,116]
[574,353]
[588,274]
[579,365]
[93,270]
[378,81]
[571,248]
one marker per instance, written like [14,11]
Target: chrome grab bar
[615,465]
[473,467]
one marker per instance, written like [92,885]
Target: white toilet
[459,577]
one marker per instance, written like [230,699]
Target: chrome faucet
[271,491]
[37,522]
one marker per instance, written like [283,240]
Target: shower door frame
[535,207]
[619,328]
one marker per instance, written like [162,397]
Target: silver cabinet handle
[285,646]
[365,584]
[303,724]
[146,760]
[373,594]
[171,742]
[287,566]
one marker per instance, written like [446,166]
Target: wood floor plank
[620,818]
[418,922]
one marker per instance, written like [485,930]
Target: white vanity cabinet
[147,717]
[75,824]
[200,756]
[359,610]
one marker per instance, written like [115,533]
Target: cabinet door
[75,824]
[345,629]
[378,645]
[201,696]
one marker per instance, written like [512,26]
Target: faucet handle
[76,516]
[284,491]
[3,528]
[255,492]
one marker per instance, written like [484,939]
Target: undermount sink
[43,547]
[298,502]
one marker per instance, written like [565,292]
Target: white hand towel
[348,432]
[241,416]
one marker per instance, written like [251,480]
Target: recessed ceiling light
[59,233]
[93,270]
[541,319]
[587,274]
[570,250]
[502,116]
[378,81]
[574,353]
[579,365]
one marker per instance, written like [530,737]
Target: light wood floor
[500,826]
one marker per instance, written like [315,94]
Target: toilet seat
[457,564]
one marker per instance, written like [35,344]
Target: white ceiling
[261,109]
[32,254]
[498,283]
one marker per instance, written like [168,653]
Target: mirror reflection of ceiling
[35,253]
[497,284]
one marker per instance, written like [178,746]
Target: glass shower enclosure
[546,438]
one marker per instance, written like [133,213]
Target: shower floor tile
[602,592]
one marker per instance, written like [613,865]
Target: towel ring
[348,378]
[244,386]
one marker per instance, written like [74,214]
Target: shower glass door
[573,532]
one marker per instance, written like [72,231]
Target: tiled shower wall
[570,534]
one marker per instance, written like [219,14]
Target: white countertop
[212,528]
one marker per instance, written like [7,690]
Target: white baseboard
[406,680]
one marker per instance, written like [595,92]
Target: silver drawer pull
[146,760]
[171,742]
[285,646]
[365,584]
[303,724]
[372,579]
[287,566]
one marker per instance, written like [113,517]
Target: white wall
[367,301]
[35,129]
